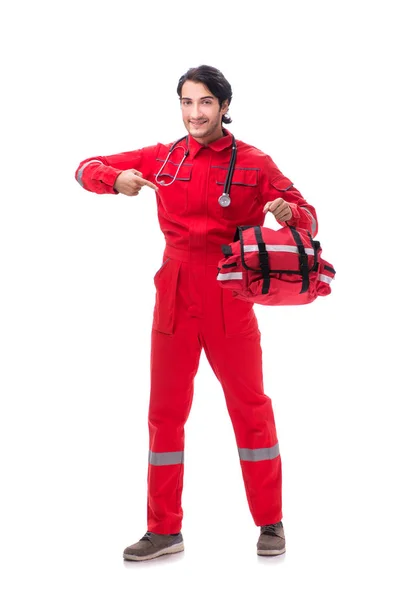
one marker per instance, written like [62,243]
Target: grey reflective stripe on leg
[80,172]
[165,458]
[314,223]
[259,453]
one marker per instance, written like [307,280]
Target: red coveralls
[193,312]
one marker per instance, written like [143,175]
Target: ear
[225,107]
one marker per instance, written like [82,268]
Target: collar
[223,142]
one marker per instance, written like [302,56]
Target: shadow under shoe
[272,540]
[152,545]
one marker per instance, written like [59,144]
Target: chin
[196,133]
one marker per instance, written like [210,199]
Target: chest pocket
[174,198]
[244,192]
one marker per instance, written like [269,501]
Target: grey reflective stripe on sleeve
[165,458]
[314,223]
[259,453]
[80,172]
[277,248]
[227,276]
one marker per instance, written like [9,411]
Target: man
[191,310]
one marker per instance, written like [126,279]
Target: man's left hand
[279,208]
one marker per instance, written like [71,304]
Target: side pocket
[238,315]
[161,268]
[166,281]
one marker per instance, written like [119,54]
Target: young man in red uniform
[192,312]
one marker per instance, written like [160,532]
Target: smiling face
[201,112]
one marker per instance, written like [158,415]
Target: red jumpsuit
[193,312]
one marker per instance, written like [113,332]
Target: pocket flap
[241,176]
[170,169]
[282,183]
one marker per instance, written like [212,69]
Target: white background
[315,85]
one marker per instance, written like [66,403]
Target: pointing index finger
[143,182]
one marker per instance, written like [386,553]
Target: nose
[196,111]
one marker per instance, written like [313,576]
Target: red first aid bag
[271,267]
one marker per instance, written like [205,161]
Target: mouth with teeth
[197,123]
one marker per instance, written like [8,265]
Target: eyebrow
[202,98]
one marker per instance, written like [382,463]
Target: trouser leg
[174,363]
[237,363]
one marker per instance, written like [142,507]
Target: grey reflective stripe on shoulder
[259,453]
[165,458]
[314,223]
[80,172]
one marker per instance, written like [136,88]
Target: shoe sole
[270,552]
[169,550]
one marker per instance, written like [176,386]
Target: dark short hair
[213,80]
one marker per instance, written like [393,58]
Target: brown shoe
[152,545]
[272,540]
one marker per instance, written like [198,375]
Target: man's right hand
[130,182]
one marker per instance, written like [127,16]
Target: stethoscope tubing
[186,152]
[228,181]
[224,199]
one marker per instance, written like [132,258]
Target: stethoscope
[224,199]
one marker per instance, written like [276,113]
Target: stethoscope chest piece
[224,200]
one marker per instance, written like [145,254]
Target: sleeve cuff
[109,176]
[295,216]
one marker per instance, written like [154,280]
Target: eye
[185,102]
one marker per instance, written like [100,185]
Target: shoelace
[270,529]
[147,537]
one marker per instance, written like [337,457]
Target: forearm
[276,185]
[97,175]
[303,214]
